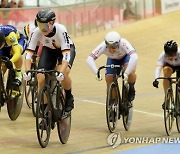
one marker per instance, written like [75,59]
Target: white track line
[148,113]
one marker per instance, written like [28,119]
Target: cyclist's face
[45,27]
[171,57]
[112,51]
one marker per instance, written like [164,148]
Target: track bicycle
[117,102]
[171,104]
[54,112]
[10,94]
[30,87]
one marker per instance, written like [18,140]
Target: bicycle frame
[49,76]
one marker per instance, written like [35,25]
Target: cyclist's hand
[9,64]
[125,77]
[60,76]
[98,77]
[26,76]
[155,83]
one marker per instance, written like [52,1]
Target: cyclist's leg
[19,62]
[168,70]
[67,82]
[131,78]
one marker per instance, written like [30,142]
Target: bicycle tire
[64,123]
[64,128]
[15,102]
[168,111]
[128,113]
[178,110]
[43,119]
[112,107]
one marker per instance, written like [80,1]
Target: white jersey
[163,60]
[124,48]
[60,40]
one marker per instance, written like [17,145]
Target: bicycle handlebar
[107,66]
[43,71]
[167,78]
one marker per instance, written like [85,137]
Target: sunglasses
[113,45]
[43,26]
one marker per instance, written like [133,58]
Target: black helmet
[44,16]
[170,48]
[2,38]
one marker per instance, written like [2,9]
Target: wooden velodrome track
[89,130]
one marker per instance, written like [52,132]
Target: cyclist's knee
[109,79]
[168,71]
[41,79]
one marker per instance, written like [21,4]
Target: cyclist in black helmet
[169,62]
[57,47]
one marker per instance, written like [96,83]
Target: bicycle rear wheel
[112,107]
[64,118]
[43,119]
[168,111]
[64,127]
[128,109]
[178,110]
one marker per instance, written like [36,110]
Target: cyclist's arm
[158,71]
[16,48]
[28,57]
[95,54]
[132,63]
[160,64]
[65,60]
[92,65]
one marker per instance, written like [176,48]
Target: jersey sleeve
[33,41]
[161,61]
[100,49]
[12,40]
[127,47]
[64,40]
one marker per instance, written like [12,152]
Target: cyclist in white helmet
[119,52]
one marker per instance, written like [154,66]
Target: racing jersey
[124,48]
[28,29]
[163,60]
[12,36]
[60,40]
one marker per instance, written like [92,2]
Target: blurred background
[82,17]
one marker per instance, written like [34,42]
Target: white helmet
[112,39]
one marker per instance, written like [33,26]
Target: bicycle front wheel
[43,119]
[112,107]
[15,102]
[178,110]
[128,109]
[168,111]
